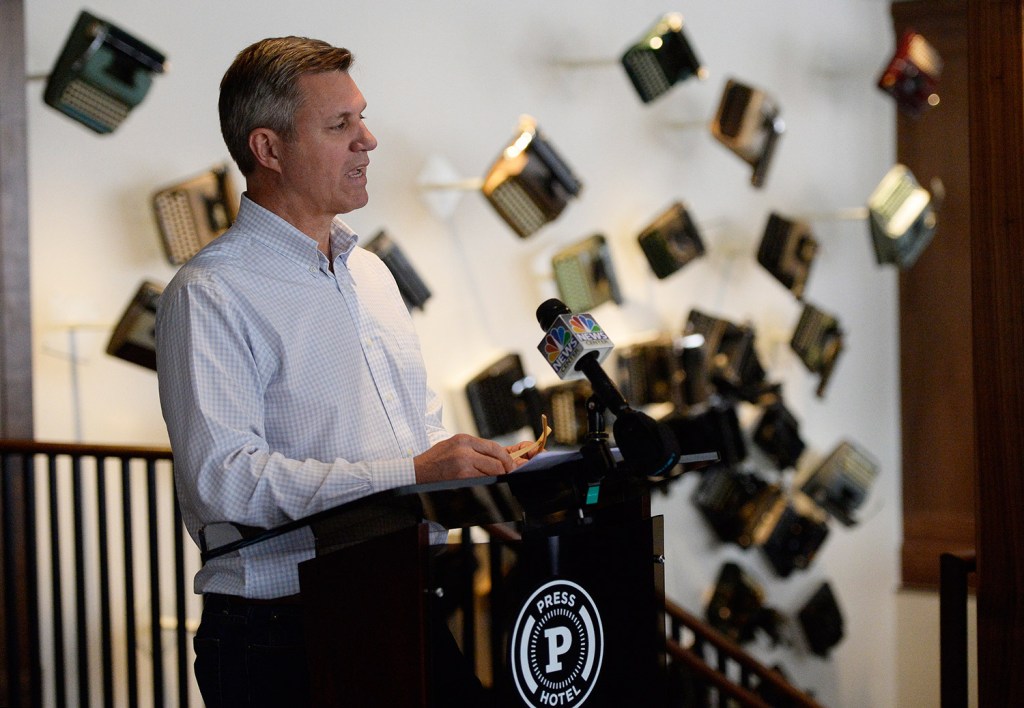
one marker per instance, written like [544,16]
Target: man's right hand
[461,457]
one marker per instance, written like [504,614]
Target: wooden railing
[95,533]
[720,672]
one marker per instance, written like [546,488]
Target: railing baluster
[10,523]
[722,662]
[953,670]
[32,575]
[154,586]
[468,561]
[81,628]
[496,606]
[179,593]
[106,632]
[59,668]
[129,584]
[705,690]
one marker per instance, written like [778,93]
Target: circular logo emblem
[557,646]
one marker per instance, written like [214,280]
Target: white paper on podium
[550,458]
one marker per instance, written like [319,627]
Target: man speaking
[290,374]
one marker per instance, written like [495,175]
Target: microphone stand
[596,452]
[600,476]
[575,501]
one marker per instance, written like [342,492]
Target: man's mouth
[358,172]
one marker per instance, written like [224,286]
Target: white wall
[918,649]
[448,79]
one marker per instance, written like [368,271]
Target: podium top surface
[550,484]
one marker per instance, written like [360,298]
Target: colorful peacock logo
[557,338]
[584,323]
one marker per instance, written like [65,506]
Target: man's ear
[265,146]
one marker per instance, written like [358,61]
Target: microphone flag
[571,337]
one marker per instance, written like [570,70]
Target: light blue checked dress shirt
[287,389]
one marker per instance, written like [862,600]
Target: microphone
[575,346]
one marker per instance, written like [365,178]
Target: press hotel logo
[557,646]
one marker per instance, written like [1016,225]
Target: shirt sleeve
[211,395]
[436,432]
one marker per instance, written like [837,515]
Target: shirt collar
[343,240]
[287,240]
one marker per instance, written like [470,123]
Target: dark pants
[253,654]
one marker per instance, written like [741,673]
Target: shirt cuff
[388,474]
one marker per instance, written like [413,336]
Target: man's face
[324,164]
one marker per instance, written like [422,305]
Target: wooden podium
[575,618]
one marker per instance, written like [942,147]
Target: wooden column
[996,50]
[936,370]
[17,654]
[15,310]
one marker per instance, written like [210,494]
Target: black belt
[216,601]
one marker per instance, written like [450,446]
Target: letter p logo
[559,641]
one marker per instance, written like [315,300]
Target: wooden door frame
[996,89]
